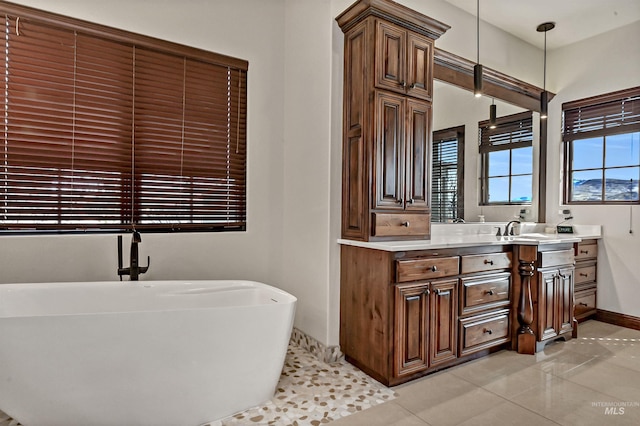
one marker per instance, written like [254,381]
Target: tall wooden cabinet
[388,83]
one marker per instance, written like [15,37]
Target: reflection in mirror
[457,191]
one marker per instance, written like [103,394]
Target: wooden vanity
[407,313]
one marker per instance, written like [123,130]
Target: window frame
[15,13]
[445,135]
[573,130]
[517,126]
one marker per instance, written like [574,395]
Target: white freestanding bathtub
[140,353]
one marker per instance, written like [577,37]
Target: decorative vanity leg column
[526,268]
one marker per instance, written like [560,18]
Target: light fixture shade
[492,116]
[477,80]
[544,102]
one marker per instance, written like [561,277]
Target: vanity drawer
[485,262]
[585,303]
[484,331]
[555,258]
[424,269]
[485,292]
[587,250]
[585,274]
[400,224]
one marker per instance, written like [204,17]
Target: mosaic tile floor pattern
[309,392]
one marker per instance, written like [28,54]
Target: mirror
[457,110]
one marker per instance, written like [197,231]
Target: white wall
[599,65]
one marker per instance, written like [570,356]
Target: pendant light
[477,69]
[492,114]
[544,96]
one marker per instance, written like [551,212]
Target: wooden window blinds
[105,129]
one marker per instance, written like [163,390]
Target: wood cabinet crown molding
[392,12]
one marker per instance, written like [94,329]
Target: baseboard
[328,354]
[618,319]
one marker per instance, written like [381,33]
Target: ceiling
[575,19]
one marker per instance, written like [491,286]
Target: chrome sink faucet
[508,229]
[134,270]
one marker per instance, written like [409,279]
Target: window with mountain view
[602,148]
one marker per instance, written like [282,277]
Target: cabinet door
[417,155]
[391,45]
[411,335]
[565,299]
[443,344]
[389,176]
[419,66]
[547,305]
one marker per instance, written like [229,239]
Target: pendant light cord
[544,74]
[478,31]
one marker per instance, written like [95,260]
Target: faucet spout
[508,229]
[134,269]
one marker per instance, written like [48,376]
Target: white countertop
[470,235]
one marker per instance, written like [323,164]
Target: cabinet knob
[488,331]
[582,274]
[427,291]
[412,86]
[584,251]
[490,292]
[488,262]
[582,304]
[434,268]
[437,291]
[399,201]
[410,201]
[405,224]
[403,84]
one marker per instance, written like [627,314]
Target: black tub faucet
[134,269]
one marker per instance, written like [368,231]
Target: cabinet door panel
[411,317]
[390,113]
[391,45]
[419,67]
[417,174]
[547,305]
[565,300]
[443,321]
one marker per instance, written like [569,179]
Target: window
[106,129]
[447,174]
[506,154]
[602,148]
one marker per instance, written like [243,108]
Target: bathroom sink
[538,236]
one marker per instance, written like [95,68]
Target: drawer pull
[399,201]
[488,331]
[405,224]
[582,304]
[412,298]
[488,262]
[434,268]
[490,292]
[582,274]
[584,251]
[426,291]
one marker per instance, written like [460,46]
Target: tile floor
[591,380]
